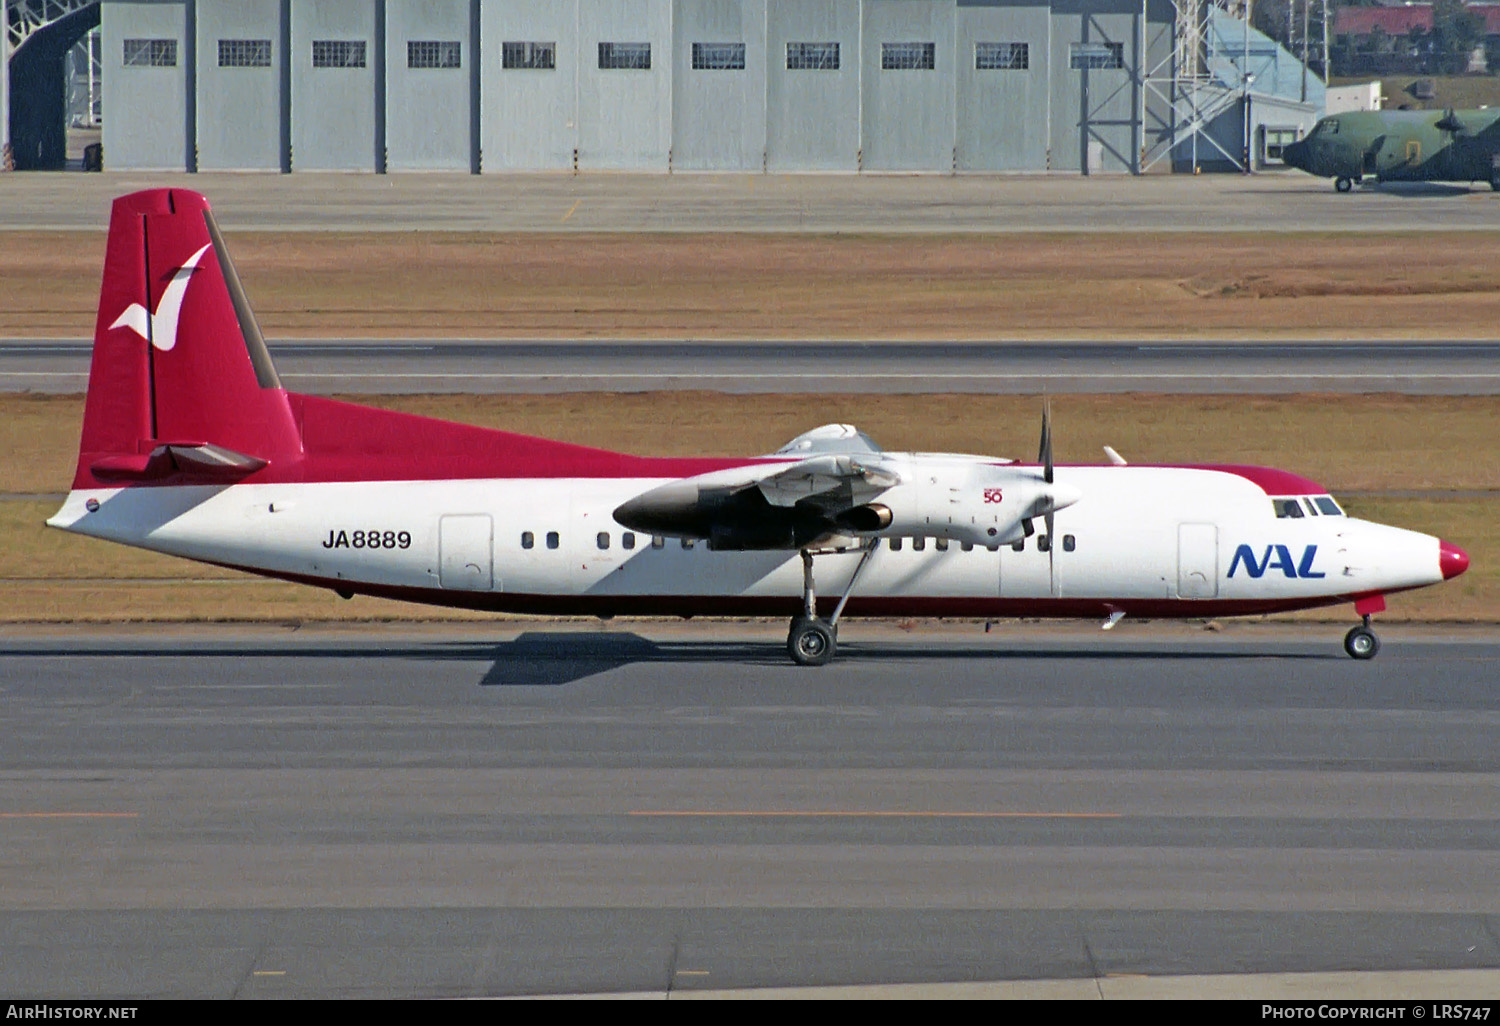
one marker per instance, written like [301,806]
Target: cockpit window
[1330,127]
[1295,507]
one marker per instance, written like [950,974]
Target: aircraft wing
[765,506]
[829,482]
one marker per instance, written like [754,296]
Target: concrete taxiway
[607,202]
[549,808]
[394,366]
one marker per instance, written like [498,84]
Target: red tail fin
[179,361]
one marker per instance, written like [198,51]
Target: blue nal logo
[1276,557]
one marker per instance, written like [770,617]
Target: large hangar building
[673,85]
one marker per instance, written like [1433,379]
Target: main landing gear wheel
[812,642]
[1361,643]
[1343,184]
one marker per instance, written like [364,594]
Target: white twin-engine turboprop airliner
[192,447]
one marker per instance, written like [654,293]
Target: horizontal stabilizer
[198,459]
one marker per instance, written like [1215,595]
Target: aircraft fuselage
[1150,541]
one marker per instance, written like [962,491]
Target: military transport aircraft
[1402,146]
[192,447]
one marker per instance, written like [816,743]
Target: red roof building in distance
[1399,21]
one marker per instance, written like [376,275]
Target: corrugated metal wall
[906,115]
[812,113]
[1094,120]
[529,118]
[427,105]
[624,114]
[240,56]
[334,108]
[848,109]
[145,107]
[1002,112]
[718,108]
[4,90]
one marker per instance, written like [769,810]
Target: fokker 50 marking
[162,331]
[1276,557]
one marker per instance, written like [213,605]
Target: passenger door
[466,560]
[1197,561]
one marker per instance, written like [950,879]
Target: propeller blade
[1044,456]
[1051,548]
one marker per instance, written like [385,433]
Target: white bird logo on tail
[162,330]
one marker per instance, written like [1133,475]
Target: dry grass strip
[821,286]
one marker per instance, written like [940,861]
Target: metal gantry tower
[1184,84]
[1307,37]
[23,18]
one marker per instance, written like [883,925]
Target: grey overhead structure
[640,85]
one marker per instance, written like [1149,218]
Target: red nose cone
[1452,560]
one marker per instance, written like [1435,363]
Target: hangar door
[466,552]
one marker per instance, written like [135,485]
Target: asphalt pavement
[393,366]
[900,203]
[546,808]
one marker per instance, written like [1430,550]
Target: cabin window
[528,540]
[657,541]
[895,544]
[1328,506]
[1287,509]
[687,543]
[627,540]
[1043,543]
[1069,543]
[552,539]
[941,544]
[1019,545]
[603,539]
[918,544]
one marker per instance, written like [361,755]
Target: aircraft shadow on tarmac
[555,658]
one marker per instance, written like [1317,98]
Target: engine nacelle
[971,501]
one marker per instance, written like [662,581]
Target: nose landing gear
[1361,642]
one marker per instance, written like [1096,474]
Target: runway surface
[560,808]
[1288,201]
[390,366]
